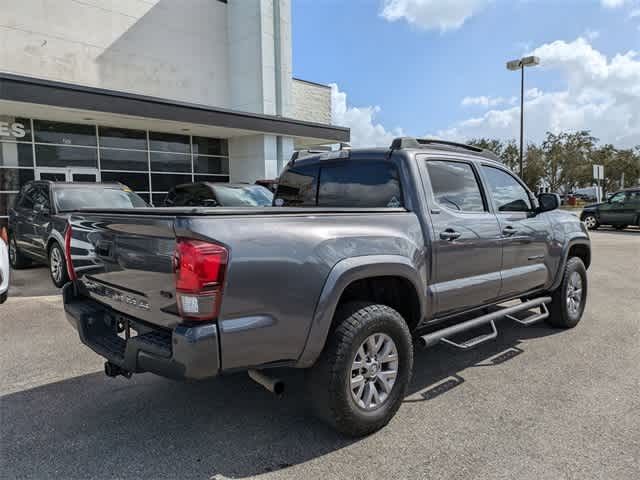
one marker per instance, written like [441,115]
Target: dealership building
[152,93]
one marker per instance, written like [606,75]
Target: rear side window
[455,186]
[366,185]
[508,194]
[297,187]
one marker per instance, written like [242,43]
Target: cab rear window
[346,184]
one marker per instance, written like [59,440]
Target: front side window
[41,197]
[455,186]
[508,194]
[618,198]
[363,185]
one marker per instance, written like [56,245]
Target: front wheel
[591,222]
[57,266]
[569,299]
[362,375]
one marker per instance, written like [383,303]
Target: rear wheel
[57,266]
[361,377]
[569,299]
[591,222]
[17,259]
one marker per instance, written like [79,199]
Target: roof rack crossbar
[413,142]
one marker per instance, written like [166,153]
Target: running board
[443,335]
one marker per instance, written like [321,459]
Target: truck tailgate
[126,262]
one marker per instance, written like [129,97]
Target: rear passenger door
[466,236]
[525,234]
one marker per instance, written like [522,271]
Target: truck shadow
[148,427]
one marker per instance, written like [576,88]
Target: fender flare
[565,257]
[340,277]
[54,237]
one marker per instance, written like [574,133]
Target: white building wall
[311,102]
[171,49]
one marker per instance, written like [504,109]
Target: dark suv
[38,219]
[620,211]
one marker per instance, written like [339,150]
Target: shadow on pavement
[149,427]
[33,281]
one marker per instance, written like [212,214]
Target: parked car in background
[620,210]
[270,185]
[38,220]
[206,194]
[417,242]
[5,271]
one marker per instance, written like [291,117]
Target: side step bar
[431,339]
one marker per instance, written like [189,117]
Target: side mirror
[548,202]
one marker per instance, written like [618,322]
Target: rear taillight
[200,268]
[67,254]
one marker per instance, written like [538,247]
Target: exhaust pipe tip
[112,370]
[274,385]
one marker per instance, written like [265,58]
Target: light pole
[520,64]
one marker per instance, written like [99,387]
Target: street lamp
[520,64]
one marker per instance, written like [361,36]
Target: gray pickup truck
[365,253]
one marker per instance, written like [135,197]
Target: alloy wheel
[55,263]
[574,293]
[374,371]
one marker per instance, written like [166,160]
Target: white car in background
[4,264]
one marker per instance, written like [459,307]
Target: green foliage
[564,161]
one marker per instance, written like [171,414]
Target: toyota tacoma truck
[365,254]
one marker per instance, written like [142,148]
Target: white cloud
[602,95]
[365,132]
[484,101]
[592,34]
[432,14]
[613,3]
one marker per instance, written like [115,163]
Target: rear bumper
[183,353]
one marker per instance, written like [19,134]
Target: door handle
[449,234]
[509,230]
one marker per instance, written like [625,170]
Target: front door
[619,210]
[525,235]
[466,237]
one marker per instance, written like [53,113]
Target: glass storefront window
[169,142]
[163,182]
[58,156]
[203,164]
[135,181]
[123,160]
[209,146]
[14,154]
[64,133]
[170,162]
[122,138]
[124,155]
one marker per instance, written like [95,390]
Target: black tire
[57,261]
[591,222]
[620,227]
[561,315]
[329,380]
[17,259]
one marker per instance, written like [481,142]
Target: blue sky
[412,69]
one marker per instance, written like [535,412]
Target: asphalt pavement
[537,403]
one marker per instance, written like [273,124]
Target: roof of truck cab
[384,153]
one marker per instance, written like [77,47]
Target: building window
[150,163]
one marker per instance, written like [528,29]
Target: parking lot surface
[537,403]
